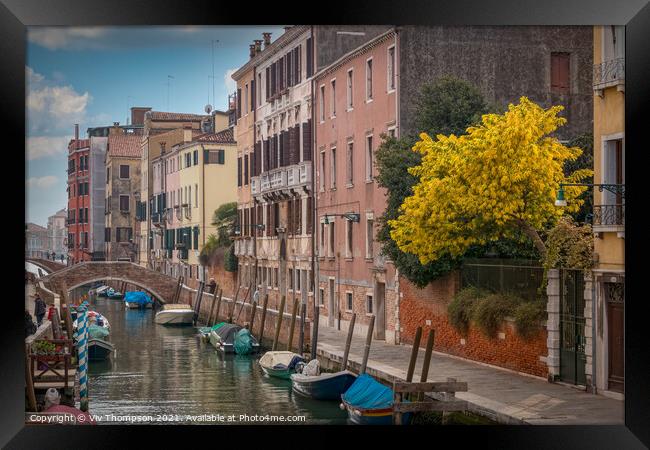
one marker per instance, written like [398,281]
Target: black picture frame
[16,15]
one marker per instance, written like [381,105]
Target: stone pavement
[499,394]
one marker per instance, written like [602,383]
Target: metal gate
[572,326]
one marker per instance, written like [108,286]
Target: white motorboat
[175,314]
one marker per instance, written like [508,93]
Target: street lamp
[258,226]
[618,189]
[351,216]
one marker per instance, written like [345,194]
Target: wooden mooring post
[314,335]
[348,342]
[451,386]
[216,316]
[366,350]
[263,321]
[414,354]
[293,322]
[427,360]
[278,324]
[197,302]
[251,320]
[214,302]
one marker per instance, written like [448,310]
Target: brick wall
[507,349]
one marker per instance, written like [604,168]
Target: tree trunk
[534,236]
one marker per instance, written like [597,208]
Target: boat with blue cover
[137,300]
[368,402]
[232,338]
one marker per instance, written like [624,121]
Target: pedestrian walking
[39,309]
[212,286]
[61,258]
[256,296]
[30,326]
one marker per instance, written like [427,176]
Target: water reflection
[168,370]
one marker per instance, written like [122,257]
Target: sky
[92,76]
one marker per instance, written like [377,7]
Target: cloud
[51,106]
[41,182]
[231,85]
[37,147]
[55,38]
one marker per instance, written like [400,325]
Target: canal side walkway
[501,395]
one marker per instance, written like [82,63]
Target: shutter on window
[310,58]
[252,106]
[239,183]
[268,83]
[245,169]
[306,140]
[266,155]
[289,69]
[310,218]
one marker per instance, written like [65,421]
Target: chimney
[76,135]
[187,132]
[258,46]
[267,39]
[251,50]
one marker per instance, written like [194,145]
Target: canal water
[168,373]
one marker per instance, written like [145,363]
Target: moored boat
[321,386]
[280,364]
[99,349]
[137,300]
[175,314]
[226,338]
[368,402]
[113,294]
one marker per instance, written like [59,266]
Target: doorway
[380,308]
[330,304]
[614,296]
[572,327]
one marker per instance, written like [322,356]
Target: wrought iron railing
[609,215]
[609,71]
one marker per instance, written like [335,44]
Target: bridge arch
[161,286]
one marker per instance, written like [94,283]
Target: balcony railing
[609,215]
[283,177]
[609,73]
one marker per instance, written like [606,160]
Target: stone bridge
[159,285]
[46,264]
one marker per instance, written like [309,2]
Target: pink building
[355,103]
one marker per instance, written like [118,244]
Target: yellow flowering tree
[500,177]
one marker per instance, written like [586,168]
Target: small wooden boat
[113,294]
[137,300]
[368,402]
[224,337]
[326,386]
[280,364]
[102,291]
[175,314]
[99,349]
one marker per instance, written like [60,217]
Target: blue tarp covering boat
[369,402]
[137,299]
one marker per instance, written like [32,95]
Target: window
[290,278]
[108,174]
[124,203]
[348,296]
[391,68]
[298,273]
[239,172]
[321,296]
[369,79]
[349,166]
[214,156]
[348,239]
[369,237]
[331,239]
[196,195]
[321,104]
[123,234]
[369,158]
[349,92]
[322,238]
[188,159]
[333,168]
[560,76]
[246,99]
[259,89]
[369,304]
[124,172]
[391,132]
[107,234]
[321,169]
[333,96]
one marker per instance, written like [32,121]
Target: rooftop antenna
[169,78]
[213,41]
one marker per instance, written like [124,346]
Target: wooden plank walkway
[501,395]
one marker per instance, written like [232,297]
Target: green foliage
[448,105]
[230,259]
[528,316]
[224,218]
[585,161]
[569,245]
[461,308]
[491,310]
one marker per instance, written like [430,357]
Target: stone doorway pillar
[553,324]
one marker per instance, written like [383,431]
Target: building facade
[57,233]
[199,176]
[79,179]
[355,103]
[36,241]
[122,192]
[605,310]
[156,123]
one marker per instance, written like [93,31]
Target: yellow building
[201,175]
[609,211]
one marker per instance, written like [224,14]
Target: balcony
[155,218]
[608,74]
[609,216]
[283,178]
